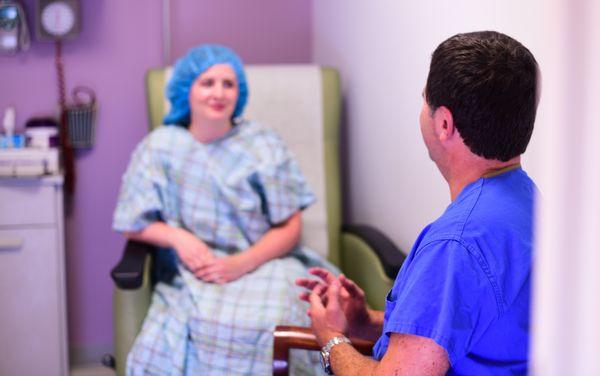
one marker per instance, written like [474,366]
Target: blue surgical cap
[189,67]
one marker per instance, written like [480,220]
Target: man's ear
[443,123]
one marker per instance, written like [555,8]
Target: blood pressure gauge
[57,19]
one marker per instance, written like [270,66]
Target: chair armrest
[371,260]
[390,256]
[296,337]
[129,272]
[131,298]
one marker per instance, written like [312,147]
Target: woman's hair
[489,83]
[189,67]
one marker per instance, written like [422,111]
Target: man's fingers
[322,273]
[304,296]
[333,296]
[319,290]
[302,282]
[315,301]
[307,283]
[351,287]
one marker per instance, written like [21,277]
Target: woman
[223,198]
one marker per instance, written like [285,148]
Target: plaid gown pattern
[228,193]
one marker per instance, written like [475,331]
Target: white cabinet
[33,327]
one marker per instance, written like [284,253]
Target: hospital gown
[229,193]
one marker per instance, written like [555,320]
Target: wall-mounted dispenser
[14,33]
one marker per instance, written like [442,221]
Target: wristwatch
[326,351]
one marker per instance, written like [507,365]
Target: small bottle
[9,124]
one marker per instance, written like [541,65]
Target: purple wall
[119,41]
[261,31]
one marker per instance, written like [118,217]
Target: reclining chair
[302,103]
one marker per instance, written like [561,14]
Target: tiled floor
[92,370]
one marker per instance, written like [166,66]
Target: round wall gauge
[57,18]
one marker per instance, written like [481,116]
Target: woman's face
[214,94]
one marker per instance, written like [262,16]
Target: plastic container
[81,118]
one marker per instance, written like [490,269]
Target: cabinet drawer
[27,204]
[32,317]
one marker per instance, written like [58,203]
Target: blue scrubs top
[466,282]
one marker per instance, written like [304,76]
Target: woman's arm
[191,250]
[276,242]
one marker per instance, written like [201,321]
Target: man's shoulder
[488,205]
[493,221]
[504,203]
[495,224]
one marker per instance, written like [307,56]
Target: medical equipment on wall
[14,33]
[81,117]
[57,19]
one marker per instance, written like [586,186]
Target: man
[460,304]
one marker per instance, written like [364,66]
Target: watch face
[58,18]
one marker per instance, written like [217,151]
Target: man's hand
[193,252]
[223,269]
[352,298]
[327,321]
[355,306]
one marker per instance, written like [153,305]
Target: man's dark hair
[488,81]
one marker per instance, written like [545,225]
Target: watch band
[326,352]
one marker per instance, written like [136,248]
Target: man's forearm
[406,355]
[345,360]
